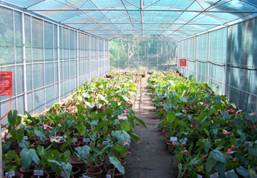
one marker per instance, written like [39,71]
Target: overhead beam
[127,13]
[148,10]
[213,5]
[103,13]
[182,13]
[150,23]
[142,16]
[155,2]
[36,3]
[100,30]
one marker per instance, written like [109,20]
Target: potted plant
[11,163]
[29,158]
[116,170]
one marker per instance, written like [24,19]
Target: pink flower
[126,111]
[252,114]
[206,105]
[229,151]
[225,132]
[185,152]
[126,143]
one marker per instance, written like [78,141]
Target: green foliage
[28,156]
[96,122]
[134,52]
[221,138]
[117,164]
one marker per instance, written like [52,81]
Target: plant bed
[84,130]
[219,137]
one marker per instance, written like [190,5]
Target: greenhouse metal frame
[61,44]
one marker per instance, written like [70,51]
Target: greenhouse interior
[128,88]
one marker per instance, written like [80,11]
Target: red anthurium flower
[225,132]
[206,105]
[229,151]
[126,143]
[185,152]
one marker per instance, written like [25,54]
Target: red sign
[6,83]
[182,62]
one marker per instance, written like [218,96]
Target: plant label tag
[63,175]
[74,140]
[199,176]
[86,140]
[38,172]
[173,139]
[215,175]
[84,176]
[106,142]
[10,174]
[108,176]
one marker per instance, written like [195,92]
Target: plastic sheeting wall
[54,66]
[227,60]
[242,64]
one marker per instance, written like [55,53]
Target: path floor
[149,158]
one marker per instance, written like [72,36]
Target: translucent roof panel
[177,19]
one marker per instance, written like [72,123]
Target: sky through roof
[176,19]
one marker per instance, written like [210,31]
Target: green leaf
[28,156]
[218,156]
[82,152]
[194,161]
[66,168]
[140,122]
[242,172]
[210,164]
[17,134]
[39,133]
[134,136]
[13,118]
[117,164]
[119,150]
[125,125]
[231,174]
[253,173]
[121,136]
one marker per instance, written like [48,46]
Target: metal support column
[108,57]
[208,59]
[77,57]
[157,48]
[127,54]
[196,58]
[226,92]
[89,57]
[58,63]
[97,57]
[24,62]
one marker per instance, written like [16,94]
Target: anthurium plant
[94,125]
[211,136]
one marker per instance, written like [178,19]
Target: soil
[150,157]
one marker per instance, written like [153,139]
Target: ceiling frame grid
[122,18]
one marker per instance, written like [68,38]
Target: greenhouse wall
[227,60]
[48,60]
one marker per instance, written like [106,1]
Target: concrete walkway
[149,158]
